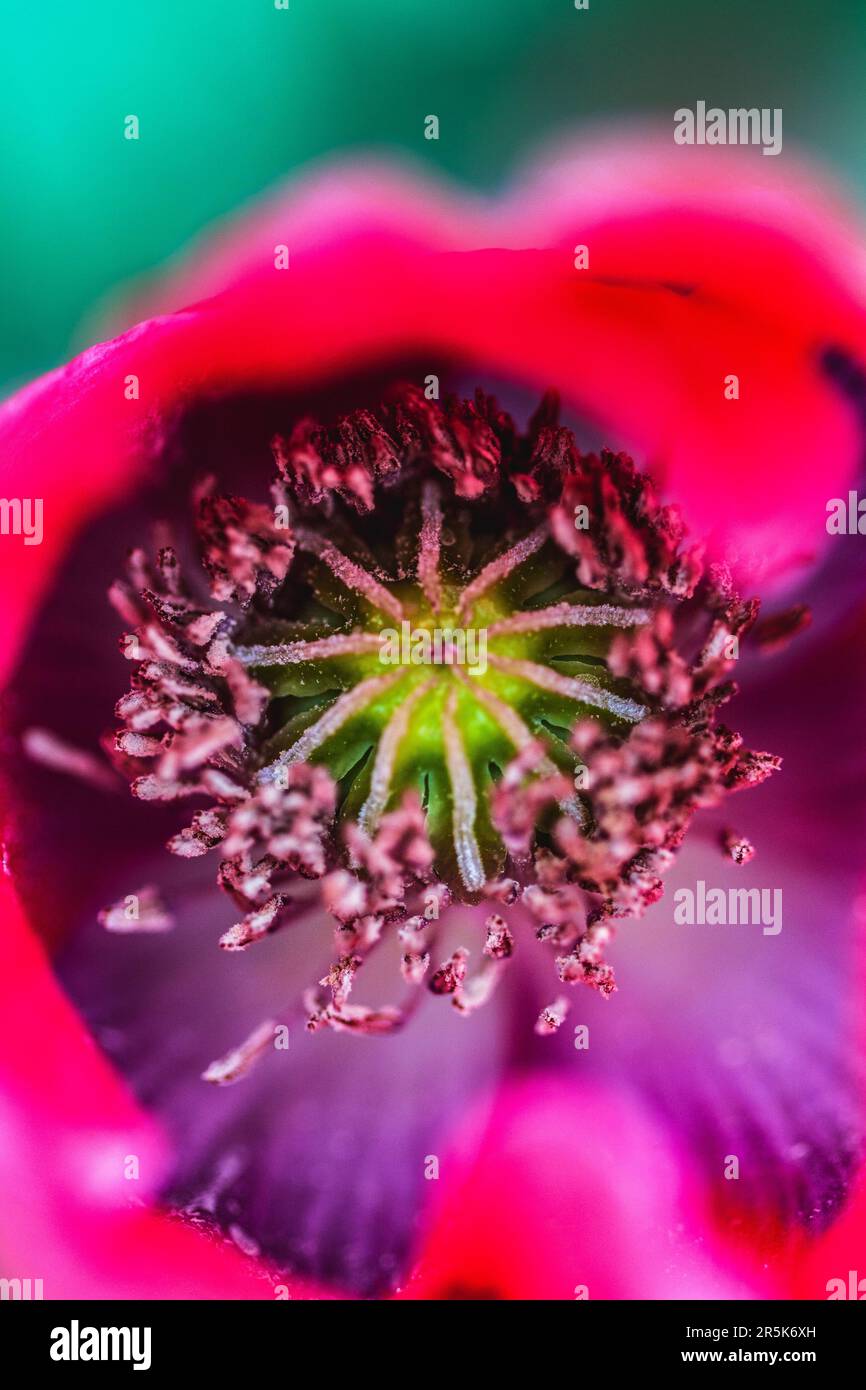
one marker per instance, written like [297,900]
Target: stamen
[204,833]
[340,979]
[49,749]
[774,633]
[737,847]
[357,1018]
[473,992]
[255,925]
[141,911]
[518,800]
[199,740]
[153,788]
[574,969]
[551,1019]
[500,943]
[450,976]
[414,966]
[243,550]
[250,699]
[238,1061]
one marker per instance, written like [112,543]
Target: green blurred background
[233,94]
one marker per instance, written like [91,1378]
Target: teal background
[234,94]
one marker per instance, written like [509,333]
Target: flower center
[434,683]
[445,664]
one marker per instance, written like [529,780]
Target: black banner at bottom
[262,1339]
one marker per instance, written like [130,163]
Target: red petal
[565,1191]
[774,266]
[819,1266]
[775,271]
[78,1222]
[771,286]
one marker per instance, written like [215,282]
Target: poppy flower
[420,546]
